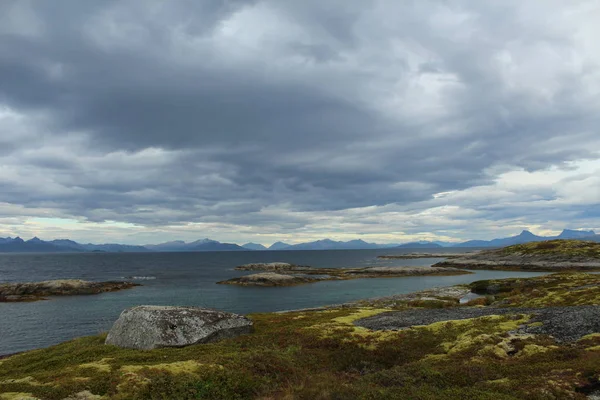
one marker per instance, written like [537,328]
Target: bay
[188,279]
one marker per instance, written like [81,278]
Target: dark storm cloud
[172,112]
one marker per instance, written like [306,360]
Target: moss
[556,247]
[17,396]
[180,367]
[560,289]
[101,365]
[29,380]
[531,349]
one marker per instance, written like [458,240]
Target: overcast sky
[391,121]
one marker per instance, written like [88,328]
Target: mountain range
[36,245]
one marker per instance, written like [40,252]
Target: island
[408,256]
[284,274]
[533,338]
[549,256]
[34,291]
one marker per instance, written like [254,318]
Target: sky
[143,121]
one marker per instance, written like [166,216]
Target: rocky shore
[34,291]
[551,256]
[525,338]
[283,274]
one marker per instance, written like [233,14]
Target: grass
[559,247]
[322,355]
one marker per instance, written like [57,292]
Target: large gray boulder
[150,327]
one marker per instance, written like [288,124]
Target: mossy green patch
[17,396]
[179,367]
[100,366]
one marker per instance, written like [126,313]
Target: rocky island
[34,291]
[284,274]
[408,256]
[534,338]
[551,256]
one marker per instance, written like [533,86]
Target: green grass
[322,355]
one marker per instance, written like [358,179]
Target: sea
[189,279]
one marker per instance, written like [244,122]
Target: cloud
[284,118]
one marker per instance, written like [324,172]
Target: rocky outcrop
[564,324]
[273,267]
[293,275]
[150,327]
[408,256]
[269,279]
[33,291]
[552,256]
[375,272]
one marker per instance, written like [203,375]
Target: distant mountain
[419,245]
[198,245]
[328,244]
[572,234]
[523,237]
[115,248]
[254,246]
[279,246]
[526,237]
[70,245]
[216,246]
[176,245]
[35,245]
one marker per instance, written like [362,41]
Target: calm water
[185,279]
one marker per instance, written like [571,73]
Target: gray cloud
[159,113]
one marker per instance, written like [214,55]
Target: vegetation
[570,248]
[323,355]
[562,289]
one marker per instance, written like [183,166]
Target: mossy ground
[559,247]
[322,355]
[561,289]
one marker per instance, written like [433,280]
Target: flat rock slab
[565,324]
[150,327]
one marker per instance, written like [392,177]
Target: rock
[150,327]
[408,256]
[32,291]
[269,279]
[297,275]
[272,267]
[404,271]
[84,395]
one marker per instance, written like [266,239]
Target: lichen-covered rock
[149,327]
